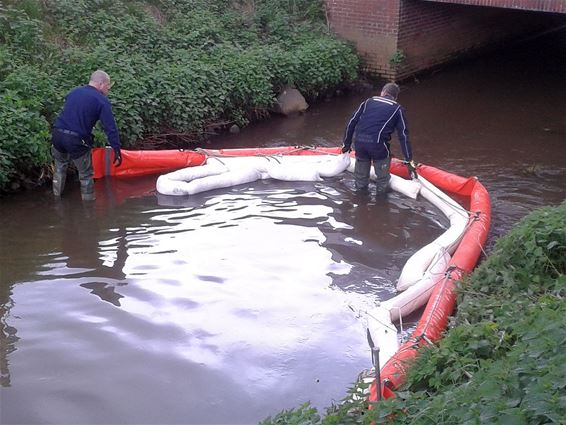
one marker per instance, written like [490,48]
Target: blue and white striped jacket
[374,122]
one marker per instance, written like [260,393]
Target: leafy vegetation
[503,360]
[178,65]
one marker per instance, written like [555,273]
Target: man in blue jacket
[71,136]
[371,127]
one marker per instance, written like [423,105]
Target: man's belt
[64,131]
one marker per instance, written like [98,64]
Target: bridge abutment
[400,38]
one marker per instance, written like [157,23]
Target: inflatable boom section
[232,171]
[443,297]
[427,277]
[421,273]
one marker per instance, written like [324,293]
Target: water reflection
[85,256]
[63,246]
[263,279]
[229,306]
[8,340]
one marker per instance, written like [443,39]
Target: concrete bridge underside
[400,38]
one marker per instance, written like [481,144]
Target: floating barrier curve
[469,191]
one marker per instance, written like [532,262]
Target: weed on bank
[179,66]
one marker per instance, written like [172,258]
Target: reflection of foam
[8,339]
[176,201]
[278,209]
[104,291]
[270,240]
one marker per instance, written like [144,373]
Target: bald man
[371,127]
[72,138]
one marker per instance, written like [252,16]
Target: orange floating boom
[443,298]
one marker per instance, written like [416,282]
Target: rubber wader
[381,168]
[361,174]
[84,168]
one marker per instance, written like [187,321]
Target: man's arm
[111,130]
[109,126]
[403,134]
[347,143]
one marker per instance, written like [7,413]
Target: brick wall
[373,27]
[431,34]
[428,33]
[554,6]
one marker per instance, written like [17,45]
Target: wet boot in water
[87,188]
[84,167]
[87,194]
[59,178]
[61,163]
[361,175]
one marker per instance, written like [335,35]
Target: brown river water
[228,306]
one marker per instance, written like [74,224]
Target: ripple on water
[249,295]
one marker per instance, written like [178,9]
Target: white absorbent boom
[421,272]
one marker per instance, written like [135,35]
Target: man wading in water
[371,127]
[72,138]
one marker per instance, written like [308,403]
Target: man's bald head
[101,81]
[390,90]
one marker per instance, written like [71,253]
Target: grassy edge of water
[502,360]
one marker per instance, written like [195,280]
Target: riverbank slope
[181,69]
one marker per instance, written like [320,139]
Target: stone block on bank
[290,101]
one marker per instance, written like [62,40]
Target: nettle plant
[178,66]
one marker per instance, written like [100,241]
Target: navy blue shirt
[84,106]
[374,122]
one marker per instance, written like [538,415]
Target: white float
[422,271]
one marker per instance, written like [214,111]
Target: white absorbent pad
[418,294]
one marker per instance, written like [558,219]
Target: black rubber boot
[87,187]
[382,176]
[361,174]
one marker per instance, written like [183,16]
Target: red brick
[430,32]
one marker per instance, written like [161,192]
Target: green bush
[304,414]
[503,361]
[23,139]
[178,65]
[23,107]
[24,34]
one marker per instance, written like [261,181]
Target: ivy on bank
[178,65]
[503,360]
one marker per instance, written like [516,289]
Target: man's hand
[412,169]
[346,149]
[117,158]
